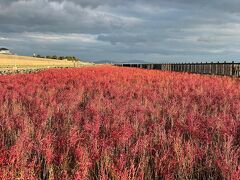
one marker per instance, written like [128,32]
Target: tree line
[69,58]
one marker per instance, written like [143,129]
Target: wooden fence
[225,69]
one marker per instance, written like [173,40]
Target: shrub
[107,122]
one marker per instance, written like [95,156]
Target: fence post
[205,68]
[232,73]
[217,68]
[224,66]
[200,68]
[237,70]
[210,68]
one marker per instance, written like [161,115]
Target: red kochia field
[108,122]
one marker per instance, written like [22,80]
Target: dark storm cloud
[45,16]
[127,29]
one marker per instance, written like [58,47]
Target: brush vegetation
[106,122]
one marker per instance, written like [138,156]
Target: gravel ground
[18,71]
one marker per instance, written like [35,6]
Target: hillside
[23,62]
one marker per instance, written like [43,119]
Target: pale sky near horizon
[123,30]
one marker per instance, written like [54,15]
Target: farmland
[10,62]
[107,122]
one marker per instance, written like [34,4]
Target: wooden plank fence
[224,69]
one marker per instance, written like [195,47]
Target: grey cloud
[7,2]
[37,16]
[122,28]
[123,38]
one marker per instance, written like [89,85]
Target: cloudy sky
[123,30]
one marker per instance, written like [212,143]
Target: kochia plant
[108,122]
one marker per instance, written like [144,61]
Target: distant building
[4,51]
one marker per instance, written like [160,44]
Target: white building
[4,51]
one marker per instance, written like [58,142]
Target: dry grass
[12,61]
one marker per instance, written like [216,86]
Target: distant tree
[61,57]
[54,57]
[69,58]
[39,56]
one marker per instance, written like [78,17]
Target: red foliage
[107,122]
